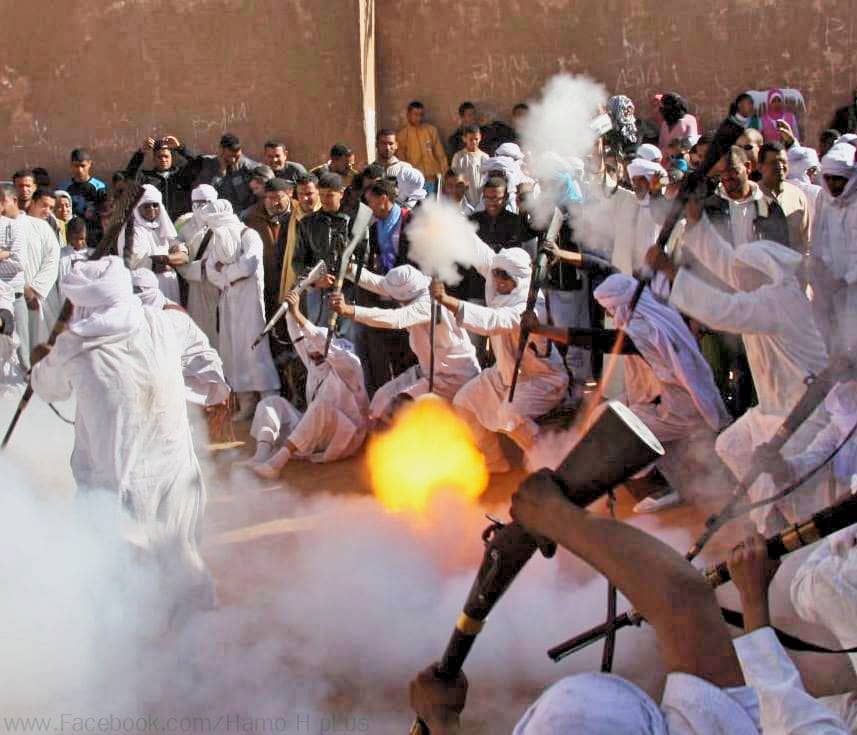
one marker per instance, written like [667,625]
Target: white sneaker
[267,471]
[659,501]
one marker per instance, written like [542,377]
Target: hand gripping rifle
[617,446]
[318,271]
[122,213]
[693,186]
[822,524]
[540,267]
[358,235]
[840,368]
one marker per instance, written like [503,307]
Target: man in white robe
[127,367]
[202,295]
[542,380]
[233,263]
[639,218]
[834,243]
[824,592]
[455,359]
[154,243]
[12,378]
[36,310]
[766,305]
[668,383]
[334,424]
[803,171]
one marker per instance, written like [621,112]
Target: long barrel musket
[822,524]
[616,447]
[694,185]
[122,211]
[319,270]
[818,387]
[539,270]
[358,235]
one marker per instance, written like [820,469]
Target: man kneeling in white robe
[542,381]
[455,357]
[127,367]
[668,383]
[335,422]
[784,347]
[234,265]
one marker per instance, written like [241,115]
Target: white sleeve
[486,320]
[368,280]
[403,317]
[50,376]
[14,243]
[46,276]
[704,242]
[785,706]
[201,365]
[250,259]
[483,256]
[739,313]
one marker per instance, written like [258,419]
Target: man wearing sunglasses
[149,240]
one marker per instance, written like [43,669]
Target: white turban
[103,298]
[510,150]
[649,169]
[669,348]
[801,159]
[593,704]
[849,138]
[146,286]
[411,183]
[204,193]
[605,704]
[405,283]
[226,230]
[515,261]
[649,152]
[163,224]
[839,161]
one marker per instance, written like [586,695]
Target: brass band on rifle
[468,625]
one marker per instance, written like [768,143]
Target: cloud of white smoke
[440,240]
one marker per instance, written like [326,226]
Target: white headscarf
[164,225]
[510,150]
[147,288]
[643,167]
[671,340]
[801,159]
[411,183]
[405,283]
[226,230]
[839,161]
[103,298]
[62,194]
[649,152]
[202,193]
[593,704]
[605,704]
[516,262]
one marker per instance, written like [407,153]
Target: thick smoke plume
[441,240]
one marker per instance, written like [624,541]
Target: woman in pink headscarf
[776,110]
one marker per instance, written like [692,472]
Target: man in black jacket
[167,174]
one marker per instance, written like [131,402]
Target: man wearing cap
[166,172]
[127,367]
[261,175]
[229,172]
[542,381]
[271,218]
[323,235]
